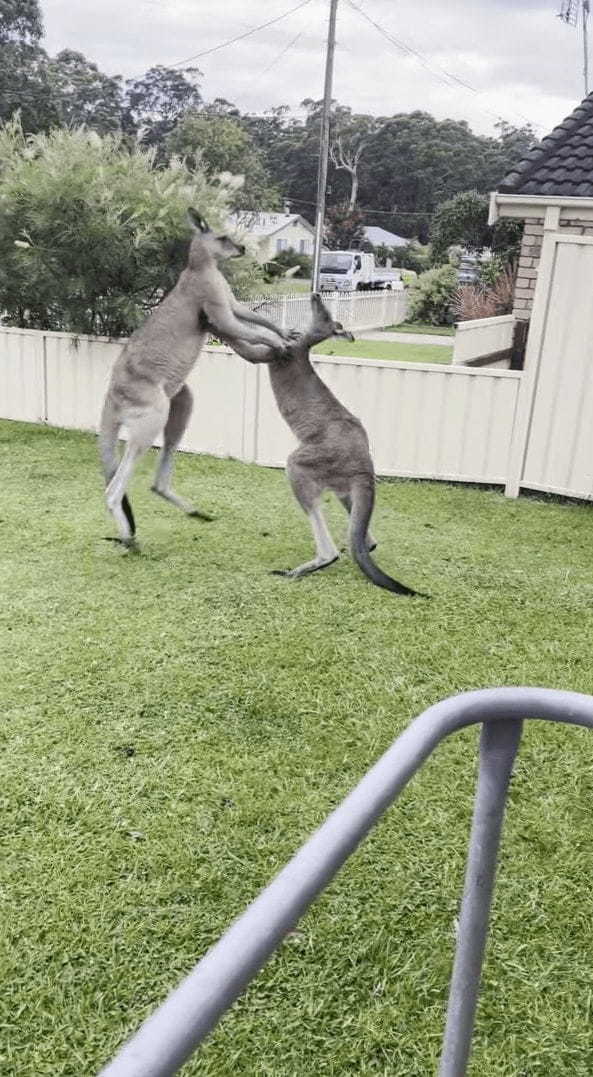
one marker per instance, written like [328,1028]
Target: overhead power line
[240,37]
[446,77]
[281,54]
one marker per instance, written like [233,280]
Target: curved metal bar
[178,1026]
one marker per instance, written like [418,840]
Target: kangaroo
[333,452]
[148,392]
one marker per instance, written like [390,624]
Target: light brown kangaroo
[333,451]
[148,393]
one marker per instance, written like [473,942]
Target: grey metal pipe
[171,1034]
[499,742]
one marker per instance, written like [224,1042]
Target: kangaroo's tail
[363,499]
[108,433]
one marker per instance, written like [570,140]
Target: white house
[275,232]
[380,237]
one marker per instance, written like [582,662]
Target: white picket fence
[423,421]
[356,311]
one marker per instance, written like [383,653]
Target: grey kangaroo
[333,451]
[147,392]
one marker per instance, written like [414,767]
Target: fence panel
[22,376]
[77,370]
[423,421]
[482,336]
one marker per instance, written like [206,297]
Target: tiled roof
[562,163]
[381,237]
[265,224]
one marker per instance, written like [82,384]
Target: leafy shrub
[284,260]
[431,296]
[494,296]
[92,235]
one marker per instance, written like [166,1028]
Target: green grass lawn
[284,286]
[418,327]
[387,349]
[177,723]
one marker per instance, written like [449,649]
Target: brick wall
[531,247]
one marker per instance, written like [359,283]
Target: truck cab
[352,271]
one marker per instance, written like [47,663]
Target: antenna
[569,13]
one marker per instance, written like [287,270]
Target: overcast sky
[525,63]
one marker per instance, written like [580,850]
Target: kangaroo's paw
[196,514]
[129,545]
[304,570]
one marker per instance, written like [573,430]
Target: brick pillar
[531,246]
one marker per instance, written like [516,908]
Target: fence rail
[184,1020]
[356,310]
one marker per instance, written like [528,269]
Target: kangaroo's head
[206,244]
[323,325]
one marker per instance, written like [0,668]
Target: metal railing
[173,1032]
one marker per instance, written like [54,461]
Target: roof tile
[562,163]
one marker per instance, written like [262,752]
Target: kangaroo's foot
[304,570]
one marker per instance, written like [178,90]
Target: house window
[281,244]
[301,246]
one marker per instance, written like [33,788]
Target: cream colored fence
[482,336]
[426,421]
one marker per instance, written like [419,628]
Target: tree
[81,94]
[20,21]
[216,140]
[344,228]
[513,143]
[91,235]
[461,220]
[156,102]
[351,139]
[23,64]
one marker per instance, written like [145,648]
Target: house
[551,190]
[275,232]
[380,237]
[552,187]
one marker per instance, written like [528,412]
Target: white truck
[355,271]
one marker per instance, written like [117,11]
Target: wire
[438,72]
[281,54]
[369,209]
[240,37]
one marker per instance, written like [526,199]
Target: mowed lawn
[387,349]
[176,723]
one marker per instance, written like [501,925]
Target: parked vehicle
[468,271]
[355,271]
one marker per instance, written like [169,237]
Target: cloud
[522,61]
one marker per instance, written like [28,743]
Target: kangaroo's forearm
[247,315]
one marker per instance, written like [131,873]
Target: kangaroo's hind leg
[347,503]
[143,428]
[180,410]
[307,492]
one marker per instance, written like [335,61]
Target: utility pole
[324,144]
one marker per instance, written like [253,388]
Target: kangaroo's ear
[197,221]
